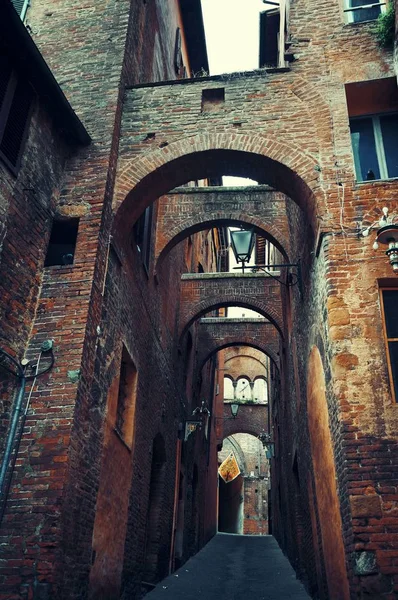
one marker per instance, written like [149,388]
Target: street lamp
[234,409]
[387,234]
[242,241]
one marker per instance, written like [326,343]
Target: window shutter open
[20,6]
[16,96]
[15,127]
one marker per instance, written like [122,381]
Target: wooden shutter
[14,131]
[16,96]
[269,35]
[177,52]
[20,6]
[260,250]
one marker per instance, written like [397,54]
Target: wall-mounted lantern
[387,234]
[242,242]
[268,444]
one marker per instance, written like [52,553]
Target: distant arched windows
[243,389]
[228,389]
[260,391]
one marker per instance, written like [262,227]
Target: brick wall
[288,129]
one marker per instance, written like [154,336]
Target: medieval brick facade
[106,491]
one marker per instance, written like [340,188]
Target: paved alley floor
[234,567]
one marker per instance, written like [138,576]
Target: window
[374,146]
[260,391]
[178,64]
[142,232]
[21,6]
[229,393]
[243,389]
[62,244]
[124,424]
[213,99]
[16,96]
[357,11]
[373,111]
[389,303]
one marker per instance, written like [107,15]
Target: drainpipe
[17,411]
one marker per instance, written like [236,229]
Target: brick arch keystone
[285,167]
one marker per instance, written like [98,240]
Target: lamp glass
[234,409]
[242,244]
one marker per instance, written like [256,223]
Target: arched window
[243,390]
[228,389]
[260,390]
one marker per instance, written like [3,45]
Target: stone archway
[202,293]
[143,179]
[221,333]
[186,211]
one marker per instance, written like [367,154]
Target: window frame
[124,417]
[393,384]
[143,234]
[349,10]
[23,10]
[6,109]
[378,144]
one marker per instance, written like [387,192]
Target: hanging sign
[190,427]
[229,469]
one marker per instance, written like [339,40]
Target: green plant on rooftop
[385,27]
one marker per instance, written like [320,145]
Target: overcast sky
[232,39]
[232,34]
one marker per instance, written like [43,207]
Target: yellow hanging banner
[229,469]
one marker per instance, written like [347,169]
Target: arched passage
[267,230]
[282,166]
[325,479]
[268,349]
[211,303]
[243,506]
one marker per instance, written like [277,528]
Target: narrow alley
[198,300]
[234,567]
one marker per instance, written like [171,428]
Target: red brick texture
[190,209]
[216,334]
[203,292]
[288,129]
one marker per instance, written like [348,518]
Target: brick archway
[141,180]
[270,232]
[203,293]
[246,423]
[212,303]
[220,333]
[186,211]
